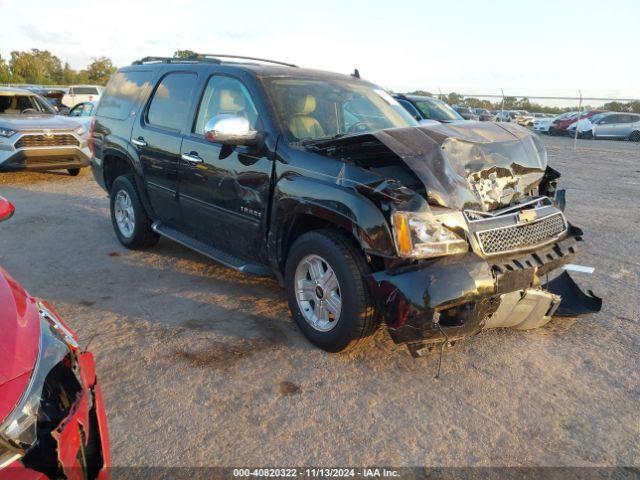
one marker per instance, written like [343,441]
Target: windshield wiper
[328,138]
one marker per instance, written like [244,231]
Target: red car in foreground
[52,417]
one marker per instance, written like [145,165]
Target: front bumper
[458,296]
[16,157]
[81,440]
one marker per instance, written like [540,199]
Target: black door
[224,191]
[158,138]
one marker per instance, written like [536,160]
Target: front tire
[74,172]
[326,291]
[635,136]
[129,218]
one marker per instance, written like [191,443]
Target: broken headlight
[19,431]
[421,235]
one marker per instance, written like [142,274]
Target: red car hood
[19,341]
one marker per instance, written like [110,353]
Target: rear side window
[171,101]
[85,91]
[122,91]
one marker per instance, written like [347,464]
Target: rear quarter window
[122,93]
[171,101]
[85,91]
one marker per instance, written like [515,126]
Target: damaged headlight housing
[421,235]
[19,431]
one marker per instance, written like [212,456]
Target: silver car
[618,125]
[33,137]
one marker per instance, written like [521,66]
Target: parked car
[53,96]
[524,118]
[484,115]
[562,122]
[466,112]
[81,93]
[425,109]
[52,417]
[617,125]
[541,125]
[83,113]
[325,182]
[507,116]
[583,123]
[33,137]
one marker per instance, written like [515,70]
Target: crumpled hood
[468,164]
[37,122]
[19,341]
[465,165]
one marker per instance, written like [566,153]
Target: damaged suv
[326,182]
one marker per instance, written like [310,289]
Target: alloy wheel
[318,293]
[123,211]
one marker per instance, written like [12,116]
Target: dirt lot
[203,366]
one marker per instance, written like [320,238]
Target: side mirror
[230,130]
[6,209]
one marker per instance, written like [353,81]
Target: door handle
[139,142]
[192,157]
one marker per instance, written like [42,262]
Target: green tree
[100,70]
[184,53]
[35,66]
[5,72]
[422,93]
[68,75]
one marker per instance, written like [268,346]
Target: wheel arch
[311,206]
[116,163]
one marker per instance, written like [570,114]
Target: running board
[211,252]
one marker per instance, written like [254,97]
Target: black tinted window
[122,91]
[171,101]
[85,91]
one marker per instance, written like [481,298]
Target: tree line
[515,103]
[41,67]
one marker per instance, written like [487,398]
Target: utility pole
[575,138]
[502,109]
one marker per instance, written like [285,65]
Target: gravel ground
[203,366]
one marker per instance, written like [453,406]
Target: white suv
[81,93]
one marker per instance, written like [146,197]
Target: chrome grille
[522,236]
[39,140]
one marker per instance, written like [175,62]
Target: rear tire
[635,136]
[329,252]
[129,218]
[74,172]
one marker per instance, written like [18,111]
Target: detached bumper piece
[458,296]
[574,301]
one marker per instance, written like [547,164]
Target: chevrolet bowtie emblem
[526,216]
[47,134]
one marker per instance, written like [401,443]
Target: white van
[81,93]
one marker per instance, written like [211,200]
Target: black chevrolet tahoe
[327,183]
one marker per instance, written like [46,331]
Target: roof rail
[174,60]
[213,56]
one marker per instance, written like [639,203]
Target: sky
[469,46]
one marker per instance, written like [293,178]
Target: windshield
[437,110]
[312,109]
[23,103]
